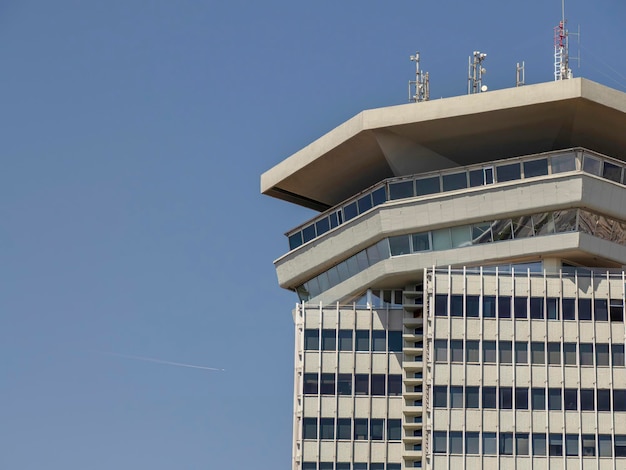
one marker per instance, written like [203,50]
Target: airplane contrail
[159,361]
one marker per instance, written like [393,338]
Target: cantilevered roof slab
[419,137]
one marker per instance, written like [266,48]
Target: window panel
[489,307]
[472,443]
[504,307]
[400,245]
[456,442]
[536,308]
[421,241]
[506,443]
[360,429]
[586,354]
[441,350]
[617,351]
[328,340]
[394,429]
[327,384]
[344,429]
[327,428]
[506,352]
[364,203]
[440,442]
[345,340]
[602,354]
[506,398]
[508,172]
[309,428]
[489,397]
[584,309]
[587,399]
[552,305]
[490,443]
[554,353]
[554,399]
[616,310]
[378,384]
[619,400]
[362,340]
[427,186]
[489,352]
[620,445]
[361,384]
[441,305]
[456,350]
[604,400]
[539,444]
[472,306]
[537,353]
[521,398]
[379,341]
[377,427]
[569,354]
[461,236]
[401,190]
[441,239]
[571,445]
[589,445]
[310,384]
[311,340]
[456,397]
[440,396]
[520,307]
[481,233]
[601,310]
[472,351]
[534,168]
[605,446]
[472,397]
[538,398]
[570,396]
[569,309]
[344,384]
[521,352]
[394,384]
[592,165]
[556,445]
[521,444]
[563,163]
[456,306]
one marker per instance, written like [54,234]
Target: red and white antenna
[562,70]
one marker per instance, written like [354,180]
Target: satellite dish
[484,88]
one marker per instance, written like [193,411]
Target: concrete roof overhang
[414,138]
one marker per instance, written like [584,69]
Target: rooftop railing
[459,178]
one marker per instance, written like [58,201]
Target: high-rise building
[461,293]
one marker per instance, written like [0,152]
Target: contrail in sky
[159,361]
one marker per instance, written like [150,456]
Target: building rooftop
[419,137]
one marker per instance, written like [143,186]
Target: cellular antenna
[419,89]
[520,76]
[475,73]
[562,70]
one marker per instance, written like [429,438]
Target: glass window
[394,384]
[569,309]
[377,427]
[328,340]
[592,165]
[612,172]
[537,353]
[617,351]
[584,309]
[506,443]
[454,181]
[504,307]
[310,384]
[601,310]
[456,397]
[586,399]
[521,352]
[521,443]
[322,226]
[586,354]
[520,306]
[327,465]
[362,340]
[350,211]
[571,444]
[602,354]
[344,429]
[489,398]
[569,354]
[506,398]
[539,444]
[345,340]
[394,429]
[604,400]
[400,245]
[620,445]
[552,305]
[327,428]
[311,340]
[489,352]
[309,428]
[441,305]
[521,398]
[379,196]
[472,351]
[440,396]
[327,384]
[295,240]
[360,429]
[472,443]
[461,236]
[308,233]
[456,306]
[481,233]
[570,396]
[538,396]
[589,445]
[489,443]
[379,341]
[556,445]
[472,306]
[344,384]
[401,190]
[361,384]
[441,239]
[440,442]
[554,353]
[617,310]
[309,466]
[472,397]
[508,172]
[506,353]
[535,168]
[489,307]
[378,384]
[619,400]
[421,241]
[427,186]
[605,447]
[554,399]
[364,203]
[441,350]
[563,163]
[456,442]
[456,350]
[536,308]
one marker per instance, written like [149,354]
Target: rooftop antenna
[562,70]
[475,73]
[419,89]
[520,76]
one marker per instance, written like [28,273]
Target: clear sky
[133,135]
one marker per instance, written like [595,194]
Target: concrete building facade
[461,293]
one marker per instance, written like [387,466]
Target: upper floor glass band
[426,184]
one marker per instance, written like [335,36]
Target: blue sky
[134,134]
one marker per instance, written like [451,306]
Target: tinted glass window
[362,340]
[427,186]
[345,340]
[569,354]
[586,354]
[504,307]
[554,399]
[506,398]
[311,340]
[489,307]
[506,353]
[601,309]
[401,190]
[535,168]
[472,397]
[508,172]
[538,398]
[399,245]
[521,398]
[361,384]
[394,384]
[489,352]
[350,211]
[617,351]
[456,397]
[329,340]
[379,196]
[441,350]
[539,444]
[440,396]
[421,242]
[562,163]
[379,341]
[377,427]
[521,352]
[489,397]
[569,309]
[364,203]
[584,309]
[604,400]
[570,396]
[394,429]
[327,428]
[454,181]
[586,399]
[378,384]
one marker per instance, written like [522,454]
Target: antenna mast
[475,73]
[419,89]
[562,71]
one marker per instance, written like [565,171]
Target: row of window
[539,444]
[538,308]
[451,181]
[359,429]
[349,340]
[350,466]
[535,352]
[523,398]
[349,384]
